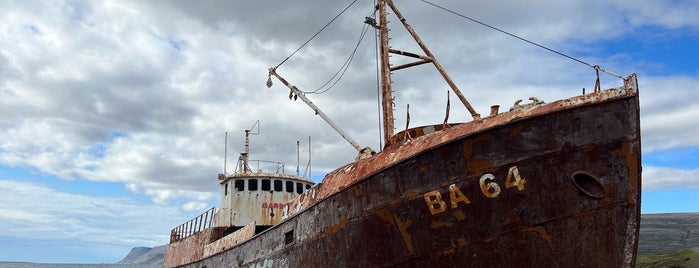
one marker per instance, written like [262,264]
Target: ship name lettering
[273,205]
[489,187]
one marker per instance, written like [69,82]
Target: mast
[243,159]
[386,69]
[386,94]
[244,155]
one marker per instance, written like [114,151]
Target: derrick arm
[365,152]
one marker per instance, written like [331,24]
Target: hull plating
[558,187]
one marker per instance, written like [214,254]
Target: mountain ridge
[145,255]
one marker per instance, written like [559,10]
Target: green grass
[685,258]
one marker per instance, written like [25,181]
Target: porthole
[588,184]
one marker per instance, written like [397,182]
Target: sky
[114,114]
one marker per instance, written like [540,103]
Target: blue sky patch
[661,50]
[686,158]
[669,201]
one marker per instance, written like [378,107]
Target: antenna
[246,152]
[225,153]
[309,158]
[298,158]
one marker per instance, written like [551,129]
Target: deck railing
[261,166]
[193,226]
[278,167]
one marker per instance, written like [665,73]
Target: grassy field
[685,258]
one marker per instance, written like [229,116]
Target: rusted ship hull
[556,185]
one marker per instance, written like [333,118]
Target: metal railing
[193,226]
[278,167]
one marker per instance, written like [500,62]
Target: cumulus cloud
[195,206]
[672,14]
[662,178]
[29,210]
[141,93]
[667,110]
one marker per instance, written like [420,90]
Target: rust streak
[514,130]
[543,234]
[459,242]
[446,252]
[402,227]
[337,227]
[355,191]
[440,224]
[410,194]
[385,215]
[631,157]
[422,168]
[490,239]
[459,215]
[511,220]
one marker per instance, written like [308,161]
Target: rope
[343,68]
[316,34]
[523,39]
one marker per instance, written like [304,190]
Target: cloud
[662,178]
[671,14]
[668,106]
[33,210]
[142,93]
[195,206]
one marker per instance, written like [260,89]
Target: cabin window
[290,186]
[239,185]
[278,186]
[225,189]
[252,184]
[266,185]
[308,186]
[299,188]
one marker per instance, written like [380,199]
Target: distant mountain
[663,233]
[145,255]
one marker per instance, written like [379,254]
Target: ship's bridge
[257,192]
[258,197]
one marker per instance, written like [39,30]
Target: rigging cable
[342,69]
[596,67]
[316,34]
